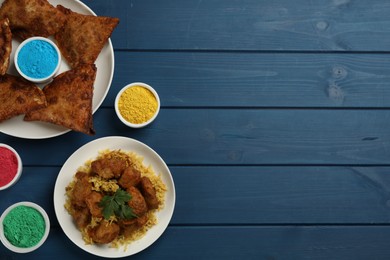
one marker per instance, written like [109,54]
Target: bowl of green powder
[24,227]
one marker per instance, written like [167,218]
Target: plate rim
[102,142]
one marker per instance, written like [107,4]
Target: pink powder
[8,166]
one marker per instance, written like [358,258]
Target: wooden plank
[340,242]
[250,195]
[339,25]
[257,79]
[282,195]
[238,137]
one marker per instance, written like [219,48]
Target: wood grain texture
[257,79]
[250,242]
[238,137]
[337,25]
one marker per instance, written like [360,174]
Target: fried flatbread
[18,96]
[83,36]
[5,45]
[32,17]
[69,100]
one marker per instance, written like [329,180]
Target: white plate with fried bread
[90,151]
[17,127]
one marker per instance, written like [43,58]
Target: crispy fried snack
[69,100]
[5,45]
[83,36]
[32,17]
[18,96]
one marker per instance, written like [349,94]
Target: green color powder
[24,226]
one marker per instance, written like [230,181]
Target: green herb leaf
[127,212]
[122,196]
[109,206]
[117,205]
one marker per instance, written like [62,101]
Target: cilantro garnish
[117,205]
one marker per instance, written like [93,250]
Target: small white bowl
[20,167]
[133,125]
[16,249]
[55,69]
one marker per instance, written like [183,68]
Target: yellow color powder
[137,105]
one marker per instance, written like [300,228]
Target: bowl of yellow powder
[24,227]
[137,104]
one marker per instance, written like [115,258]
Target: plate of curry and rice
[114,197]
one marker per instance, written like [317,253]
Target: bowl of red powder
[10,166]
[24,227]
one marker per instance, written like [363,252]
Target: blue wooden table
[275,124]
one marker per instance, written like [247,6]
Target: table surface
[274,122]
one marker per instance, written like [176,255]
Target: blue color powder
[37,59]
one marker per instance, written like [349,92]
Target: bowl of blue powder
[24,227]
[37,59]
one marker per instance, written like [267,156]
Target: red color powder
[8,166]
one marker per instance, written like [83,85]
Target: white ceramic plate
[90,151]
[105,71]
